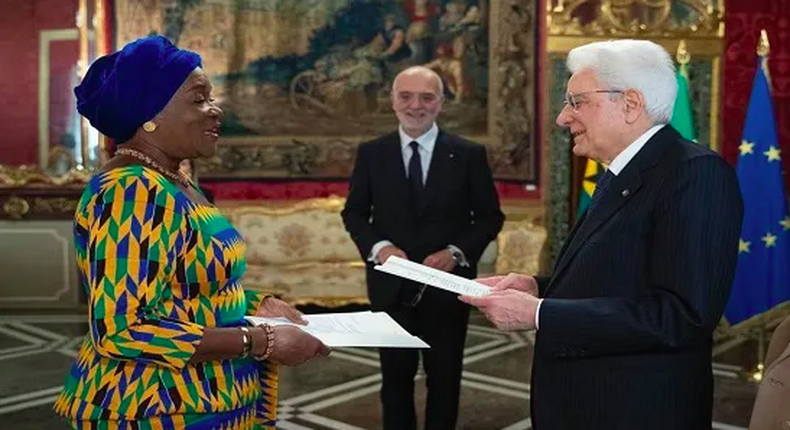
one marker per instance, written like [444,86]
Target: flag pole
[757,375]
[763,49]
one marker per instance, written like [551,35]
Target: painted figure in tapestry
[325,66]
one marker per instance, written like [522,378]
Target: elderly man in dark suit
[429,196]
[625,321]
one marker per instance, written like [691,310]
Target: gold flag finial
[683,55]
[763,47]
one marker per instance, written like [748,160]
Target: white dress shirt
[426,144]
[618,164]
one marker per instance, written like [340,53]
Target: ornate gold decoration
[22,176]
[763,47]
[640,18]
[60,152]
[149,126]
[294,240]
[519,247]
[683,55]
[54,205]
[329,302]
[329,204]
[16,208]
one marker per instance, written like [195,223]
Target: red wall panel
[20,24]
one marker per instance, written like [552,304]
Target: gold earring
[149,126]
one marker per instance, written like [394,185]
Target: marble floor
[340,391]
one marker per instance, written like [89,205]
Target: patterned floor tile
[339,392]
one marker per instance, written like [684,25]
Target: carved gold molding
[23,176]
[696,47]
[16,208]
[329,302]
[328,204]
[54,205]
[635,18]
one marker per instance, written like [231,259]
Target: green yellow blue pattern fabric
[238,419]
[592,171]
[157,269]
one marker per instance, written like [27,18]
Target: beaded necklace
[176,177]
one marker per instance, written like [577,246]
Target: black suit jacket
[625,330]
[460,206]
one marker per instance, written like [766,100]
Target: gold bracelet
[269,343]
[246,341]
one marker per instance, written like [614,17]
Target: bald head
[419,73]
[417,95]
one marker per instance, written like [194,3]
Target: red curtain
[743,22]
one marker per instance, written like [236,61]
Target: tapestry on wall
[302,82]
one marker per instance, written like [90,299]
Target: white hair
[641,65]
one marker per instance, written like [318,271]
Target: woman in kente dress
[167,347]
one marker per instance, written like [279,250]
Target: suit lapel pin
[626,192]
[452,155]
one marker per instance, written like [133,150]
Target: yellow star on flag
[773,154]
[785,223]
[769,239]
[746,147]
[743,246]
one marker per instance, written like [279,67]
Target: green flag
[682,117]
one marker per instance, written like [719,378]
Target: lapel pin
[626,192]
[452,155]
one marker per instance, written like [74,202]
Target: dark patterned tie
[600,190]
[415,172]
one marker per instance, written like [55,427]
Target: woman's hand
[272,307]
[292,346]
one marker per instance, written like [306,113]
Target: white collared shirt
[618,164]
[426,144]
[626,155]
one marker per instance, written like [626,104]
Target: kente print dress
[158,269]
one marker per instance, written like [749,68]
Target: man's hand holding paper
[507,309]
[511,281]
[512,302]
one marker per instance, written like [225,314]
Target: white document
[353,329]
[434,277]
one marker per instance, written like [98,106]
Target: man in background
[428,196]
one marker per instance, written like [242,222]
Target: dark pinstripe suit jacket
[626,325]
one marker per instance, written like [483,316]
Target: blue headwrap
[123,90]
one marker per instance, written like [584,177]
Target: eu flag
[762,278]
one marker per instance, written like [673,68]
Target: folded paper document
[354,329]
[429,276]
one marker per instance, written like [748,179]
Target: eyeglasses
[572,101]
